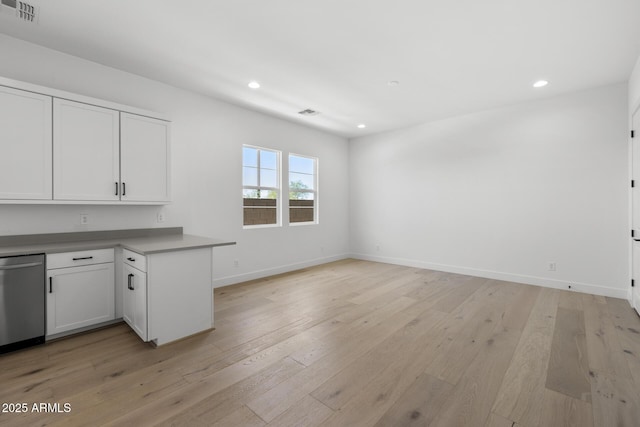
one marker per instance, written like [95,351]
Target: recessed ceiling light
[393,83]
[254,85]
[361,126]
[540,83]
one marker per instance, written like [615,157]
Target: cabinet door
[79,297]
[145,159]
[25,145]
[86,152]
[135,300]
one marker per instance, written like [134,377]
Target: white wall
[207,137]
[502,193]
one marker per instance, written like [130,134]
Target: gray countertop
[142,243]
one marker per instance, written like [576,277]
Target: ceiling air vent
[20,9]
[309,112]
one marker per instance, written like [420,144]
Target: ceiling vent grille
[309,112]
[20,9]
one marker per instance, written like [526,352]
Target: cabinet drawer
[135,260]
[74,259]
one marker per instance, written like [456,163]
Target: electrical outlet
[236,263]
[84,219]
[378,248]
[161,217]
[552,266]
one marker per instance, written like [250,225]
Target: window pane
[300,181]
[268,159]
[260,216]
[299,195]
[269,194]
[260,170]
[268,178]
[301,164]
[249,194]
[301,214]
[249,156]
[249,176]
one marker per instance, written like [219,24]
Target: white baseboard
[259,274]
[497,275]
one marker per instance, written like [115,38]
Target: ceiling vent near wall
[309,112]
[22,10]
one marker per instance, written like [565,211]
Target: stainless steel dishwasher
[22,301]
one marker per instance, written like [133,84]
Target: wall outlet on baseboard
[161,217]
[377,248]
[236,263]
[84,219]
[552,266]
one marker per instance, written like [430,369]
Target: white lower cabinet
[169,295]
[79,296]
[134,307]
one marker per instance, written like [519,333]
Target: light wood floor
[353,343]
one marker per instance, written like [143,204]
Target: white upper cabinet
[25,145]
[145,159]
[65,148]
[86,152]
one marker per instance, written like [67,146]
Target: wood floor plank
[568,370]
[309,412]
[243,417]
[349,382]
[616,401]
[603,344]
[522,391]
[465,340]
[309,354]
[419,404]
[570,300]
[377,333]
[218,405]
[495,420]
[473,397]
[562,410]
[371,403]
[288,393]
[627,326]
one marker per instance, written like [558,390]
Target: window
[303,189]
[260,186]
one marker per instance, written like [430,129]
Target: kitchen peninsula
[159,280]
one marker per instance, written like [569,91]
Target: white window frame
[277,190]
[315,190]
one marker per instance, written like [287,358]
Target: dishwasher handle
[17,266]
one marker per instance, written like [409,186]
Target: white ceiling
[336,56]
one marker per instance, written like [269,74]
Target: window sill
[251,227]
